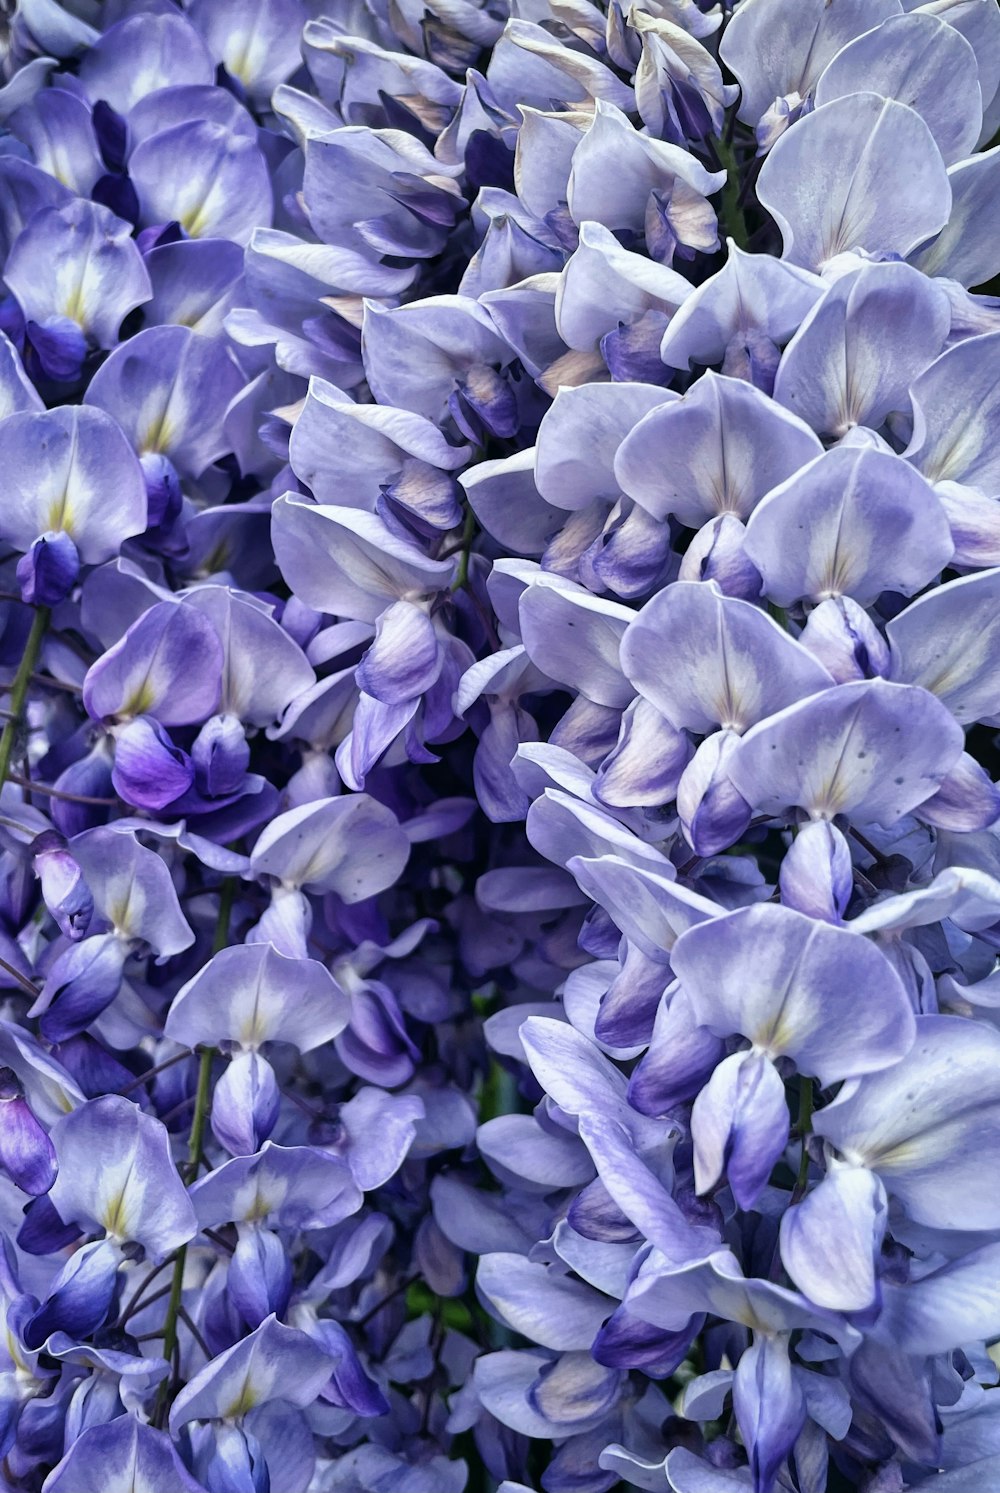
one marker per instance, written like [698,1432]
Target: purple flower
[499,813]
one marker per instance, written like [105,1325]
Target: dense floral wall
[500,652]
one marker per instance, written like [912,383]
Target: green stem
[227,893]
[468,535]
[498,1095]
[201,1108]
[19,689]
[732,217]
[170,1322]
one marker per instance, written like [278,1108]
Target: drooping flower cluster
[499,849]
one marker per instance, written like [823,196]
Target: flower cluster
[499,848]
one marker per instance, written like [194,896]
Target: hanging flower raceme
[499,870]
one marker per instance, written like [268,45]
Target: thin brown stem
[28,986]
[46,790]
[186,1318]
[218,1240]
[404,1285]
[137,1083]
[866,844]
[140,1299]
[178,1109]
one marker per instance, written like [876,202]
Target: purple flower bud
[26,1153]
[245,1104]
[64,889]
[426,500]
[43,1231]
[149,770]
[349,1385]
[754,358]
[157,235]
[717,553]
[375,1044]
[112,135]
[80,1297]
[116,192]
[60,346]
[259,1280]
[632,351]
[163,489]
[221,756]
[80,984]
[484,401]
[88,777]
[48,572]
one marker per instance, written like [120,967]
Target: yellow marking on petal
[244,1402]
[747,1317]
[14,1349]
[259,1209]
[159,436]
[774,1040]
[73,306]
[239,67]
[60,515]
[192,221]
[252,1032]
[217,559]
[917,1151]
[121,912]
[139,702]
[953,673]
[115,1219]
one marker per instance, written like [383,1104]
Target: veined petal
[274,1363]
[124,1453]
[549,1307]
[116,1173]
[870,749]
[809,991]
[855,522]
[833,183]
[70,470]
[717,450]
[240,996]
[928,1125]
[352,845]
[731,664]
[80,262]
